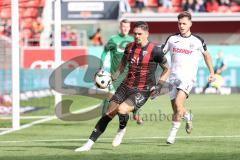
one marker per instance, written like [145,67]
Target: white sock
[89,143]
[174,129]
[187,116]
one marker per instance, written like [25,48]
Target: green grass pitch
[216,134]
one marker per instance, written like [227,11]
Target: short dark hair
[142,25]
[124,21]
[185,14]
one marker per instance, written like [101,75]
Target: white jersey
[185,53]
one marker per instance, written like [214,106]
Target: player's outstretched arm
[156,90]
[166,71]
[103,57]
[108,47]
[208,61]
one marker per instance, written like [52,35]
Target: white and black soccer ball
[103,79]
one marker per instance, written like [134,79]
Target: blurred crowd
[136,6]
[68,36]
[31,22]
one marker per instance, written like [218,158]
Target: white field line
[135,138]
[29,125]
[4,129]
[25,117]
[49,118]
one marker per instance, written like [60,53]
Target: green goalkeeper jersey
[115,46]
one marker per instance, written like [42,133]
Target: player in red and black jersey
[142,58]
[142,61]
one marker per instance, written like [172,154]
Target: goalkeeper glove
[156,90]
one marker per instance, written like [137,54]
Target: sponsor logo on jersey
[164,51]
[120,50]
[121,46]
[144,53]
[139,98]
[134,60]
[180,50]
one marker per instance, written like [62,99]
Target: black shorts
[138,98]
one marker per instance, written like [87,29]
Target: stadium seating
[131,3]
[152,3]
[26,33]
[1,30]
[26,23]
[234,7]
[31,3]
[29,11]
[177,6]
[5,13]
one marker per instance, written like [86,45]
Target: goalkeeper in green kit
[116,46]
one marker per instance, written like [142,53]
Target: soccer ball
[218,81]
[103,79]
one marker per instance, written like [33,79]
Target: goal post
[15,65]
[57,45]
[15,76]
[25,72]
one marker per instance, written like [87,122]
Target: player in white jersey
[185,49]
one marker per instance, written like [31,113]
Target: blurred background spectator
[199,7]
[96,38]
[33,24]
[64,36]
[139,5]
[124,7]
[212,6]
[188,5]
[68,36]
[168,6]
[37,27]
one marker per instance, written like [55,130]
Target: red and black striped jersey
[142,64]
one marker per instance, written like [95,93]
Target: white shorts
[177,84]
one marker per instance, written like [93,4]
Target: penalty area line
[49,118]
[136,138]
